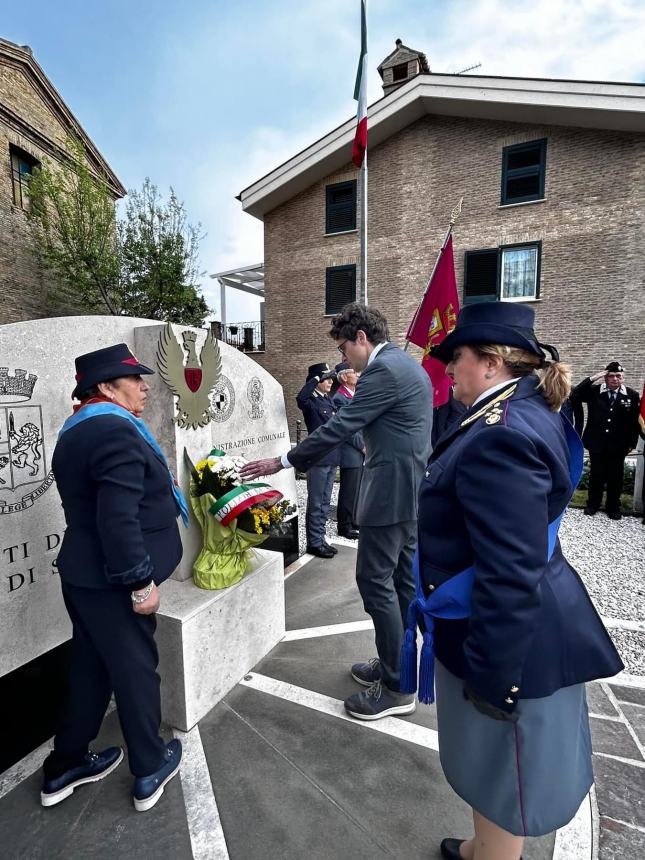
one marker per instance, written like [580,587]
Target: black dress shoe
[591,511]
[321,551]
[450,849]
[614,515]
[351,534]
[332,548]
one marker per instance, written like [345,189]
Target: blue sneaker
[367,673]
[148,789]
[94,768]
[379,701]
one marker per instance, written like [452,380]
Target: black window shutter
[480,276]
[523,172]
[340,210]
[340,288]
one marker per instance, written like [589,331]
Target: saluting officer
[610,433]
[314,403]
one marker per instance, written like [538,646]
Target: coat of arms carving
[192,382]
[22,455]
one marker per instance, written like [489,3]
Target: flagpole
[364,230]
[456,212]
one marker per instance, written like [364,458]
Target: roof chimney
[402,65]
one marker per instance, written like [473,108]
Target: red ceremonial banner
[435,319]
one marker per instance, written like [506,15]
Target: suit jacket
[351,452]
[493,484]
[611,428]
[119,508]
[393,408]
[317,409]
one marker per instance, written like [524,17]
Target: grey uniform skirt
[527,777]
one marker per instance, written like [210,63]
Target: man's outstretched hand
[257,468]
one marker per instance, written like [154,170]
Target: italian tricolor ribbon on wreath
[229,506]
[234,518]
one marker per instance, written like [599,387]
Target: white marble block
[208,640]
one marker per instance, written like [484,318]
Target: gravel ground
[609,555]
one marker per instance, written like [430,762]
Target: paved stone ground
[276,772]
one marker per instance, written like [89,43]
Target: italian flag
[360,94]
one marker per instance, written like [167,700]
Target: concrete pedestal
[208,640]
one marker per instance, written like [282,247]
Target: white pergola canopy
[249,279]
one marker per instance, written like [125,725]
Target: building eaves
[544,101]
[22,55]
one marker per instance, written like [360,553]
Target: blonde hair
[554,376]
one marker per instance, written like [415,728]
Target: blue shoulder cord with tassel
[451,600]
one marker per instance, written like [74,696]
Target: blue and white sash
[452,599]
[93,410]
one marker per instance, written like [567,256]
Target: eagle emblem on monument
[192,382]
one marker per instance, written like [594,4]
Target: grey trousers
[320,482]
[386,584]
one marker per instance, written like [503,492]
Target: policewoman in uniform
[351,456]
[121,506]
[515,633]
[316,406]
[610,433]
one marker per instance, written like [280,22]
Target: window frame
[499,273]
[350,183]
[17,181]
[538,170]
[328,271]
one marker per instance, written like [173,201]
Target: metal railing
[245,336]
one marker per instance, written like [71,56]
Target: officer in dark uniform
[444,416]
[352,456]
[314,402]
[609,435]
[121,505]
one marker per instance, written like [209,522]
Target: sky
[207,96]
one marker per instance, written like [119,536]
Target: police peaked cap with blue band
[111,362]
[505,323]
[615,367]
[319,370]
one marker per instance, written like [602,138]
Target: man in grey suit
[393,409]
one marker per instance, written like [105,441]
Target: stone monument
[199,632]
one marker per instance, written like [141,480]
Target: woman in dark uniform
[515,633]
[121,506]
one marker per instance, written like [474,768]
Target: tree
[159,259]
[144,264]
[72,221]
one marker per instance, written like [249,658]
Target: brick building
[553,178]
[34,125]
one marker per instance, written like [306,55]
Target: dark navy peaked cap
[505,323]
[101,365]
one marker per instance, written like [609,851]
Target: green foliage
[145,264]
[72,221]
[158,256]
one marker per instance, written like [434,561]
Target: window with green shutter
[523,171]
[340,210]
[340,288]
[480,276]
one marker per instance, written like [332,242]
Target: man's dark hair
[355,316]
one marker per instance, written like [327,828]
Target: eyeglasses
[341,346]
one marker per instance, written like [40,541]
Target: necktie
[612,397]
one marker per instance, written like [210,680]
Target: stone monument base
[208,640]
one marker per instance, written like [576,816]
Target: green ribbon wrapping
[227,551]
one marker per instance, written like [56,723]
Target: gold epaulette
[492,410]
